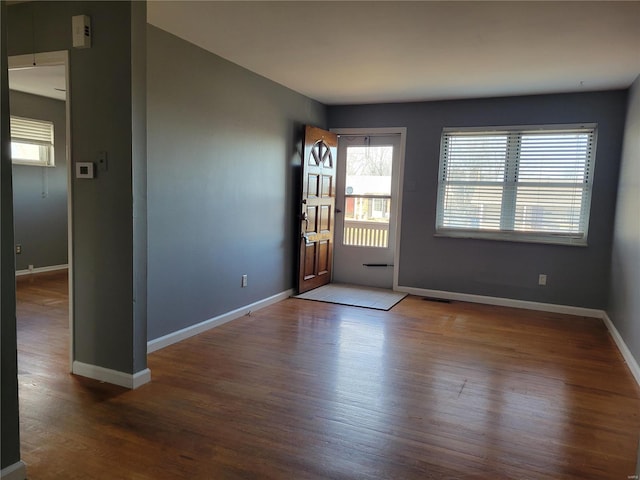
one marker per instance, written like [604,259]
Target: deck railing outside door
[366,234]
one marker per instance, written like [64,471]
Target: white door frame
[60,57]
[397,210]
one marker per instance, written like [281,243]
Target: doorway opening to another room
[40,136]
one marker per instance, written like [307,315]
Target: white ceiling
[46,81]
[387,51]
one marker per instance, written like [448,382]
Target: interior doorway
[40,81]
[368,200]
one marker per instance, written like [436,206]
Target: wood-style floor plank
[305,390]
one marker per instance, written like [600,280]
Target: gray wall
[576,275]
[139,179]
[101,120]
[222,170]
[624,306]
[9,421]
[40,193]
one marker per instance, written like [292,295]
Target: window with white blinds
[524,184]
[31,141]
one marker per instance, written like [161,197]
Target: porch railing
[366,234]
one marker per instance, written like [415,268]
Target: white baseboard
[17,471]
[127,380]
[503,302]
[544,307]
[177,336]
[51,268]
[624,350]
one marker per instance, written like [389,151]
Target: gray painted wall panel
[139,168]
[223,147]
[9,411]
[40,193]
[624,306]
[101,120]
[576,276]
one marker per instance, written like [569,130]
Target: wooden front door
[317,208]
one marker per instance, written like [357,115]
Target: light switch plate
[103,164]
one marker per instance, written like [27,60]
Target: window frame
[510,184]
[46,148]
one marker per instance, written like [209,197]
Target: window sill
[31,164]
[515,237]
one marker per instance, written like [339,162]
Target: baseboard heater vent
[439,300]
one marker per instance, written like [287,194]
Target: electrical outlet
[542,279]
[244,281]
[18,249]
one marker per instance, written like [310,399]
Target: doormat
[355,296]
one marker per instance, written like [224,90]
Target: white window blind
[528,184]
[31,141]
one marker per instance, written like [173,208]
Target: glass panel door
[367,206]
[365,222]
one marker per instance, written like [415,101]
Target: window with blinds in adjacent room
[31,142]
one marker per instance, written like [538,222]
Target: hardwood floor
[306,390]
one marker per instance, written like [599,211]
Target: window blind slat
[31,130]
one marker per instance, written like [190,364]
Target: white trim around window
[525,183]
